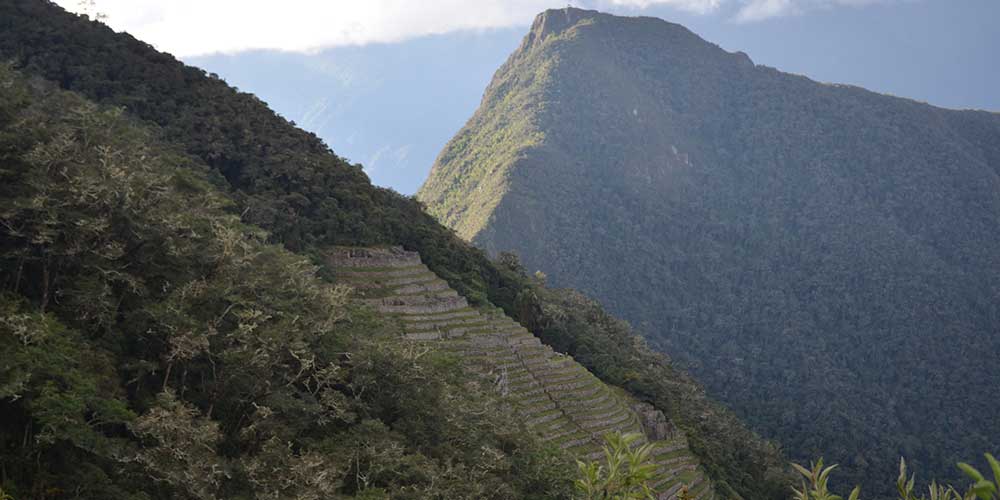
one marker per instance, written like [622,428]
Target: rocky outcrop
[556,396]
[654,422]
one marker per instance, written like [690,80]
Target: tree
[184,455]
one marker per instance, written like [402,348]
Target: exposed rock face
[363,258]
[557,397]
[806,249]
[654,422]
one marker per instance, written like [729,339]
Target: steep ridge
[290,184]
[559,399]
[821,257]
[153,345]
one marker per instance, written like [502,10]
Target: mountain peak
[734,209]
[555,22]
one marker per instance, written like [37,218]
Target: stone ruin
[556,396]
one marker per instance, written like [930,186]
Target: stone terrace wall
[357,257]
[557,397]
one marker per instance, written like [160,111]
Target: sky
[200,27]
[387,82]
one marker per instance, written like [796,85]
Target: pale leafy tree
[625,473]
[184,455]
[279,472]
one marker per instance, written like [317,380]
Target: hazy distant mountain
[823,257]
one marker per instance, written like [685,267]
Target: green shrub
[624,474]
[815,484]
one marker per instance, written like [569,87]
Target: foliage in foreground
[625,470]
[624,474]
[815,484]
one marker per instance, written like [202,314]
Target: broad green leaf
[995,465]
[971,472]
[802,470]
[984,489]
[823,476]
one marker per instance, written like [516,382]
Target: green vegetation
[815,484]
[156,346]
[168,330]
[624,473]
[556,397]
[281,178]
[739,462]
[147,288]
[819,256]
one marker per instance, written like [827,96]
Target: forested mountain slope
[824,258]
[168,313]
[154,346]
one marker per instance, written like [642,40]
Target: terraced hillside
[557,397]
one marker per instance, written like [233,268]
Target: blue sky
[387,82]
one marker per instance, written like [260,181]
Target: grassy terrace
[557,397]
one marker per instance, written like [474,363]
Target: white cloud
[196,27]
[758,10]
[697,6]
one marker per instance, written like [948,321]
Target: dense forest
[155,346]
[168,328]
[821,257]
